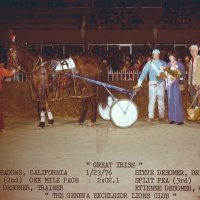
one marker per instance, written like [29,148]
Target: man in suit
[194,75]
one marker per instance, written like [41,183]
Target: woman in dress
[175,106]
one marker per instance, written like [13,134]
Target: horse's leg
[42,115]
[85,104]
[38,109]
[49,114]
[93,101]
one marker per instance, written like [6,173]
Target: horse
[44,79]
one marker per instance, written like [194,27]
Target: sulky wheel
[124,113]
[104,112]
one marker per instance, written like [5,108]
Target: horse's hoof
[80,123]
[51,122]
[41,125]
[90,124]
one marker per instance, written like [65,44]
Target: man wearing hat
[156,88]
[194,74]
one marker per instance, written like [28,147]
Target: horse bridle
[13,54]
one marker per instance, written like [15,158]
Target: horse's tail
[102,93]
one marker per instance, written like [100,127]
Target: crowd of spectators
[124,18]
[113,18]
[113,14]
[173,18]
[119,60]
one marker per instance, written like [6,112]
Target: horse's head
[20,56]
[14,56]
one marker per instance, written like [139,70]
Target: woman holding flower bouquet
[175,73]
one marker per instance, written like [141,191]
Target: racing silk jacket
[153,68]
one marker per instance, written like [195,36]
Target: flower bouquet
[161,76]
[168,71]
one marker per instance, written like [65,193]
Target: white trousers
[156,91]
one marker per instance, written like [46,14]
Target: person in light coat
[156,87]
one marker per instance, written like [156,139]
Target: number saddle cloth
[65,64]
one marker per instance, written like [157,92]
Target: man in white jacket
[156,88]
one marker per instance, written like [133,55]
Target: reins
[36,67]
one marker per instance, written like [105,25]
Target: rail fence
[112,76]
[123,75]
